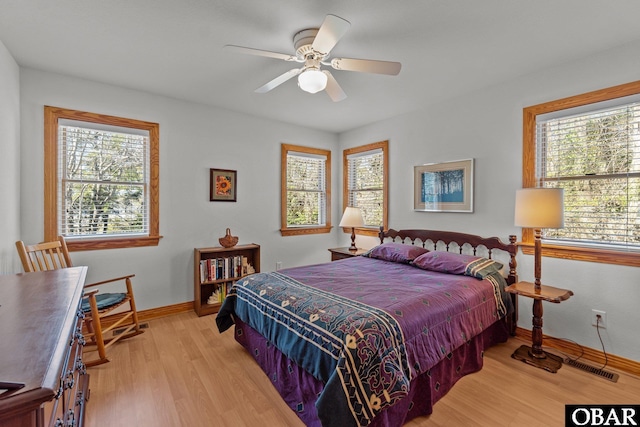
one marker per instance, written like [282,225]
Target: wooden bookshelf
[206,281]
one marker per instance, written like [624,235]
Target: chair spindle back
[44,256]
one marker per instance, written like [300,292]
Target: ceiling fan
[313,47]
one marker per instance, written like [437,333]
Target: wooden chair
[97,307]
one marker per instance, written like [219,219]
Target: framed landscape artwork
[223,185]
[443,187]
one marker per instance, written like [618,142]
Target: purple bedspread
[437,312]
[426,316]
[300,390]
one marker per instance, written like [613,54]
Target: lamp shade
[312,80]
[540,208]
[352,217]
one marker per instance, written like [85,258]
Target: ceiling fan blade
[332,29]
[366,66]
[333,89]
[258,52]
[278,80]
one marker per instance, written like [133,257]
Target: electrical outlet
[602,322]
[278,265]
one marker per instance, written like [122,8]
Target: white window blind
[595,156]
[306,189]
[103,174]
[366,185]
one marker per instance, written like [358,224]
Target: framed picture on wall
[223,185]
[443,187]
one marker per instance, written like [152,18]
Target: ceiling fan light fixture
[313,47]
[312,80]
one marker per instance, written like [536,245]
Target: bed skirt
[300,389]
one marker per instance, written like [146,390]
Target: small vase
[228,241]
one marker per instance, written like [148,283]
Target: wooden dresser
[41,347]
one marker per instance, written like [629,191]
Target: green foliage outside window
[103,182]
[366,182]
[306,197]
[596,159]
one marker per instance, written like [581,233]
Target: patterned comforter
[364,327]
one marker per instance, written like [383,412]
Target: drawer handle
[71,418]
[70,380]
[80,366]
[58,392]
[80,314]
[59,423]
[80,337]
[80,399]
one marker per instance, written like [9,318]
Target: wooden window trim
[298,231]
[51,117]
[384,145]
[529,180]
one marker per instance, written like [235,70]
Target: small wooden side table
[534,355]
[342,253]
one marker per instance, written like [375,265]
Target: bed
[377,339]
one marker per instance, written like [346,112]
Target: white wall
[193,138]
[487,125]
[9,160]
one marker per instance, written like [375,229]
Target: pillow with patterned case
[453,263]
[396,252]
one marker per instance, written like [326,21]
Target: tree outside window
[589,145]
[306,183]
[365,184]
[106,180]
[595,157]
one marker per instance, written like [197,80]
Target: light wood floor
[182,372]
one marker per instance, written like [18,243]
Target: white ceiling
[174,47]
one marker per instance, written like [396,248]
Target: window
[589,145]
[305,192]
[365,184]
[101,180]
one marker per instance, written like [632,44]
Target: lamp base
[353,247]
[550,362]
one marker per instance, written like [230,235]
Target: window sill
[112,243]
[304,230]
[584,254]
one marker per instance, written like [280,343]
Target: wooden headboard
[461,241]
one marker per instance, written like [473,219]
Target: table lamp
[539,208]
[352,217]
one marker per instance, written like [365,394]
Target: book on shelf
[224,268]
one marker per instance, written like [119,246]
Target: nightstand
[534,355]
[342,253]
